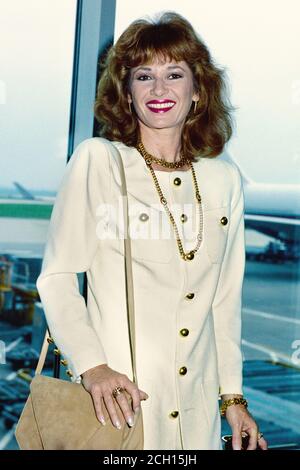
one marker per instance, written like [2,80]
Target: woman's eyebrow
[143,68]
[170,67]
[176,67]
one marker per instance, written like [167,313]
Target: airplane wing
[272,209]
[284,229]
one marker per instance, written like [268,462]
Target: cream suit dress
[188,313]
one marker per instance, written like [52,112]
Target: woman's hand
[241,421]
[100,382]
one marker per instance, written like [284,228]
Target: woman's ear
[129,98]
[196,96]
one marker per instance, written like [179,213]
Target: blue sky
[256,41]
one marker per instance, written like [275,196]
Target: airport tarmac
[271,325]
[271,311]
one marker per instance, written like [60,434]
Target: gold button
[174,414]
[189,296]
[184,332]
[177,181]
[224,221]
[183,217]
[56,352]
[69,373]
[143,217]
[64,362]
[50,340]
[182,370]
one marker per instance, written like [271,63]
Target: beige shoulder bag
[60,415]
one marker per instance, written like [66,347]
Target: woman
[161,101]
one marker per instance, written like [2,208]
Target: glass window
[36,60]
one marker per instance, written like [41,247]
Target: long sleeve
[70,248]
[227,302]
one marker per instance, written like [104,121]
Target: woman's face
[162,94]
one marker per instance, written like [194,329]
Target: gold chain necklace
[183,161]
[187,256]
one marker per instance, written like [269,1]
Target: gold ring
[259,435]
[117,391]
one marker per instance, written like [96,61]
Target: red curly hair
[170,37]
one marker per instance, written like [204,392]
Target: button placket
[182,221]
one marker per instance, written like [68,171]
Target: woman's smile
[160,106]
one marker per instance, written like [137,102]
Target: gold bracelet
[232,401]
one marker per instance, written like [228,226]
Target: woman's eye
[143,78]
[175,75]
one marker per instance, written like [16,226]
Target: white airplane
[272,209]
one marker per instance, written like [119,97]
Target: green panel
[26,211]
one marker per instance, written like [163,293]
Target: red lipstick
[160,106]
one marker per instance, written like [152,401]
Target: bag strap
[43,353]
[128,266]
[128,280]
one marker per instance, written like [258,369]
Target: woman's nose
[159,87]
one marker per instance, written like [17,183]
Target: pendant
[189,256]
